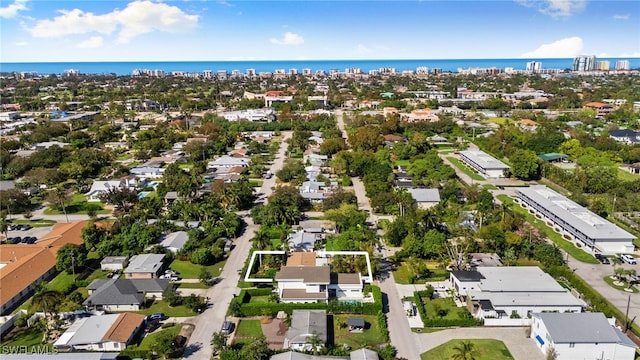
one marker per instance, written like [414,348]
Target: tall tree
[465,350]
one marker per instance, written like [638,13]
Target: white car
[628,259]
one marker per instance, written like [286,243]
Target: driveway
[221,294]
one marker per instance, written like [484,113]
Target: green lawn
[465,169]
[187,270]
[197,285]
[610,281]
[29,337]
[171,311]
[77,204]
[402,273]
[148,341]
[499,120]
[255,183]
[490,187]
[35,223]
[402,162]
[488,349]
[186,166]
[624,175]
[249,328]
[370,337]
[564,244]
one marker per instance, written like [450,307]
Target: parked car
[227,327]
[151,326]
[156,316]
[628,259]
[25,227]
[603,259]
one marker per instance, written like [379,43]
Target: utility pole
[73,267]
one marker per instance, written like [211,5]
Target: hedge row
[134,354]
[382,324]
[247,308]
[592,297]
[428,322]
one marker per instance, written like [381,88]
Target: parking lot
[32,232]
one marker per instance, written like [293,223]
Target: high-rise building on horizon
[584,63]
[534,67]
[603,65]
[622,65]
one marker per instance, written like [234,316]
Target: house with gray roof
[114,263]
[509,295]
[228,161]
[581,336]
[360,354]
[174,241]
[574,222]
[304,325]
[425,198]
[111,332]
[483,163]
[144,266]
[303,284]
[147,172]
[302,241]
[123,294]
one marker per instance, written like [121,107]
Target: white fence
[507,322]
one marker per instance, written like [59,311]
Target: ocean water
[125,68]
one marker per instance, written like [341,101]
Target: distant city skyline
[146,30]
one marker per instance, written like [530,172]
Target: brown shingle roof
[123,328]
[302,258]
[296,294]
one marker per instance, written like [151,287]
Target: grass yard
[499,120]
[78,204]
[171,311]
[35,223]
[148,341]
[402,163]
[465,169]
[247,331]
[490,187]
[564,244]
[197,285]
[402,274]
[446,306]
[370,337]
[29,337]
[488,349]
[187,270]
[624,287]
[624,175]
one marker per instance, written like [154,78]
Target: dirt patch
[266,320]
[187,330]
[274,330]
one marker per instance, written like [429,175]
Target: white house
[175,241]
[147,172]
[302,241]
[304,325]
[111,332]
[499,294]
[581,336]
[114,263]
[101,187]
[228,161]
[144,266]
[303,284]
[425,198]
[483,163]
[575,222]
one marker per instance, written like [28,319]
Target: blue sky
[151,30]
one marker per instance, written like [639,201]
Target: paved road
[222,293]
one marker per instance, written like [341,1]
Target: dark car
[25,227]
[156,316]
[603,259]
[151,326]
[227,327]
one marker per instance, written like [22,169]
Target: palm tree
[47,300]
[466,350]
[261,241]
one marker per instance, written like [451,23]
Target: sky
[201,30]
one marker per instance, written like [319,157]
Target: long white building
[484,163]
[575,222]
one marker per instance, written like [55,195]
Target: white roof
[425,195]
[145,263]
[87,330]
[517,279]
[100,186]
[585,221]
[484,160]
[175,240]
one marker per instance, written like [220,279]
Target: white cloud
[137,18]
[11,10]
[361,49]
[21,43]
[225,3]
[563,48]
[555,8]
[288,38]
[621,16]
[90,43]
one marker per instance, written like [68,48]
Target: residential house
[315,191]
[99,188]
[500,294]
[527,125]
[303,284]
[437,139]
[346,287]
[625,136]
[123,294]
[306,324]
[114,263]
[23,265]
[600,108]
[581,336]
[174,241]
[425,198]
[146,172]
[227,161]
[302,241]
[633,168]
[48,144]
[112,332]
[360,354]
[574,222]
[144,266]
[554,157]
[483,163]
